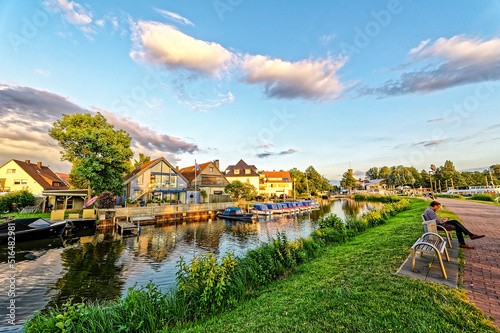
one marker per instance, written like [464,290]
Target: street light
[433,169]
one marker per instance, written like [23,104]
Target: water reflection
[103,265]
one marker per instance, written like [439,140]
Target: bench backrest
[429,226]
[57,215]
[89,214]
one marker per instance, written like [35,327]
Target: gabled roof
[242,166]
[141,169]
[42,175]
[64,177]
[189,172]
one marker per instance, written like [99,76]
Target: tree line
[443,176]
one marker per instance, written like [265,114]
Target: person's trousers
[459,229]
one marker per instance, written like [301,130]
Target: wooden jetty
[124,226]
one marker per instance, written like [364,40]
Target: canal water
[102,265]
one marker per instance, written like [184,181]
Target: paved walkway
[482,265]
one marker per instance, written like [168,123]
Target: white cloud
[158,43]
[446,63]
[43,72]
[174,16]
[73,12]
[308,79]
[420,46]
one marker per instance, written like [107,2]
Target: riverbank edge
[358,293]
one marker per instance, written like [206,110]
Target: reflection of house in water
[206,235]
[156,243]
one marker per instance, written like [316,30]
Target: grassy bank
[352,287]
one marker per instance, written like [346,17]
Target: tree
[348,181]
[238,190]
[99,153]
[447,174]
[142,159]
[384,172]
[372,173]
[401,176]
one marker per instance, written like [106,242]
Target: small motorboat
[234,213]
[30,229]
[260,209]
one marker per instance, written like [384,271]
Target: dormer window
[236,171]
[247,171]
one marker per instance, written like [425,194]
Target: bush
[331,221]
[106,200]
[356,224]
[373,218]
[450,196]
[21,198]
[377,198]
[483,197]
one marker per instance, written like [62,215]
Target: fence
[167,209]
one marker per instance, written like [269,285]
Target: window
[24,181]
[211,169]
[17,181]
[11,170]
[236,171]
[247,171]
[56,184]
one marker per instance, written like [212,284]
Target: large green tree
[99,153]
[372,173]
[238,190]
[401,176]
[348,180]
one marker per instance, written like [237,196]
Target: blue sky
[278,84]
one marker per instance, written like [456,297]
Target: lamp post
[433,169]
[294,189]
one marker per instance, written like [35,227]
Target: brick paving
[482,265]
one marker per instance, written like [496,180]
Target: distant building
[206,177]
[18,175]
[156,179]
[275,183]
[244,173]
[374,185]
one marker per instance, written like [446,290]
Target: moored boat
[260,209]
[30,229]
[274,208]
[234,213]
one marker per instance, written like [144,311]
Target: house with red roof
[275,183]
[208,177]
[17,175]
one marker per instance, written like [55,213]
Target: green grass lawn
[352,287]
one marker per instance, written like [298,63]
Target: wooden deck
[126,226]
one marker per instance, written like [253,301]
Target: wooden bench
[431,242]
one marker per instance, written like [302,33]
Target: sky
[279,84]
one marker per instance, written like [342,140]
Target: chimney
[216,162]
[39,165]
[177,167]
[27,161]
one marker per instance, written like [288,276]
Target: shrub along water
[207,286]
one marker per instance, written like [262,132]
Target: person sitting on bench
[430,214]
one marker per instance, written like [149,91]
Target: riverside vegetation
[341,278]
